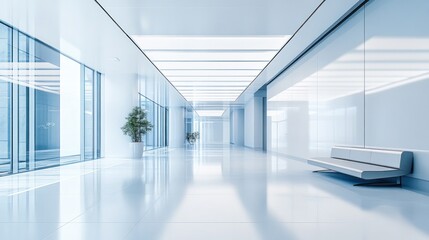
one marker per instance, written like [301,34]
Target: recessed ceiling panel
[210,79]
[226,84]
[205,68]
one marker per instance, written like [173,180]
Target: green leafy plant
[137,125]
[192,137]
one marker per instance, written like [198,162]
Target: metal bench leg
[324,171]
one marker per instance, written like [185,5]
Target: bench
[366,163]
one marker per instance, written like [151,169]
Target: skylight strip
[183,73]
[220,79]
[218,42]
[211,69]
[211,50]
[239,66]
[211,61]
[210,56]
[213,89]
[225,99]
[211,98]
[210,94]
[210,78]
[208,84]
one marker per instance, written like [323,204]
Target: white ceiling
[81,30]
[210,17]
[210,50]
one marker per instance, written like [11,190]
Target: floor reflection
[210,192]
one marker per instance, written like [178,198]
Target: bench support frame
[371,183]
[325,171]
[382,183]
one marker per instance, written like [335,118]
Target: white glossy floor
[208,193]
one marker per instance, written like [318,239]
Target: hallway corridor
[218,192]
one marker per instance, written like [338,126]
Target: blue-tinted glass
[5,100]
[150,144]
[23,99]
[89,112]
[48,117]
[157,116]
[47,132]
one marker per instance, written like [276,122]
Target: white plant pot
[136,149]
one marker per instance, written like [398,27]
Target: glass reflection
[321,102]
[89,113]
[359,86]
[45,114]
[5,99]
[156,114]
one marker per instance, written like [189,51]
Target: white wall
[396,114]
[176,127]
[365,85]
[237,128]
[253,123]
[70,94]
[212,130]
[258,123]
[226,130]
[249,124]
[120,97]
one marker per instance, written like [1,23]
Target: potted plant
[192,137]
[136,127]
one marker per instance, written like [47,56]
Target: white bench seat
[366,163]
[356,169]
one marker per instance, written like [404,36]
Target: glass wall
[192,123]
[48,102]
[5,99]
[157,115]
[319,101]
[89,112]
[366,84]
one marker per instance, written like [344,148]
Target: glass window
[23,100]
[42,103]
[89,112]
[97,121]
[156,114]
[44,79]
[5,100]
[150,136]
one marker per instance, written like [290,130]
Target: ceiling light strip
[213,55]
[211,61]
[211,50]
[210,78]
